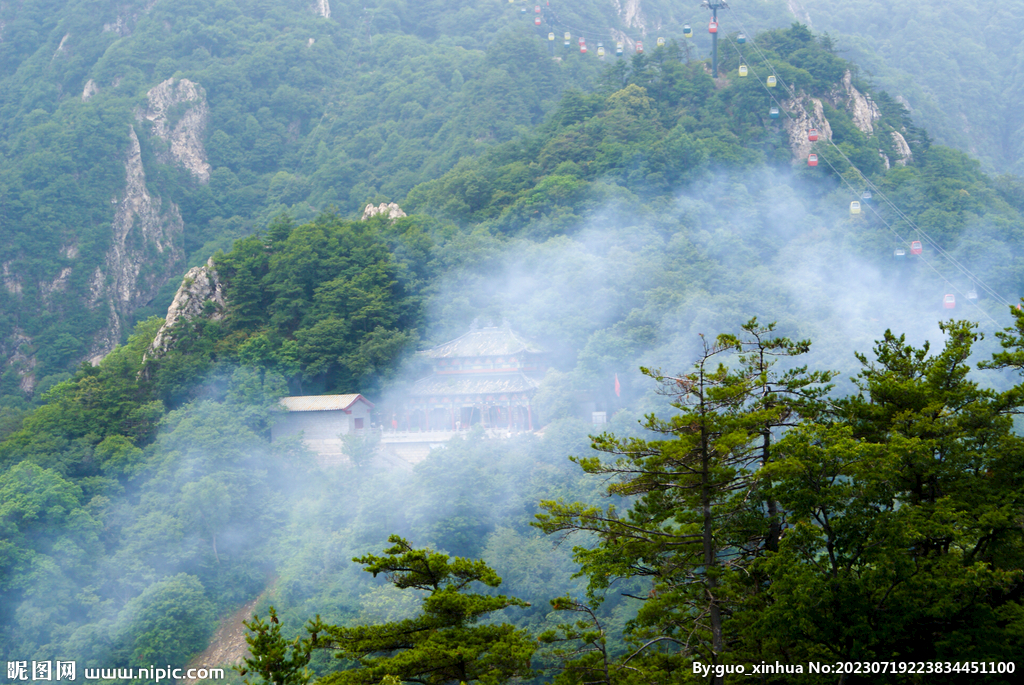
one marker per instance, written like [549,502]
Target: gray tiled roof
[483,342]
[322,402]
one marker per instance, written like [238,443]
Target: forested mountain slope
[115,179]
[956,65]
[645,208]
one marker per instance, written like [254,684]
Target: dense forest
[840,485]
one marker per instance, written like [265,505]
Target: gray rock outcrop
[145,251]
[179,114]
[390,210]
[862,108]
[902,148]
[200,285]
[89,90]
[323,8]
[632,15]
[807,113]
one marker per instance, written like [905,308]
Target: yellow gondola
[771,81]
[854,207]
[743,70]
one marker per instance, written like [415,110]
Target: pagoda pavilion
[487,376]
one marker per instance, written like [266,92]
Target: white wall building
[322,420]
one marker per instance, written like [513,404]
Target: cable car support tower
[714,6]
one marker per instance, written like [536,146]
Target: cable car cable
[960,267]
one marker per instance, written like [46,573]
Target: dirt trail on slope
[228,646]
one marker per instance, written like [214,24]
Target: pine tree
[696,522]
[446,643]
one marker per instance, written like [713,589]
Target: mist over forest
[792,299]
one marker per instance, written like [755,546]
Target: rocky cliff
[807,112]
[179,115]
[200,286]
[145,251]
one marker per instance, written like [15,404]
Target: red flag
[617,386]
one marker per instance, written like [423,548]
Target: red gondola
[536,9]
[812,159]
[713,27]
[536,21]
[949,301]
[916,247]
[639,47]
[812,135]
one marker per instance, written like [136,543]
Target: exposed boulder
[19,354]
[12,282]
[632,15]
[905,155]
[807,113]
[179,114]
[862,108]
[90,89]
[200,285]
[390,210]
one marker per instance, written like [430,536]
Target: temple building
[487,376]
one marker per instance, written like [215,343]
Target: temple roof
[476,384]
[323,402]
[483,342]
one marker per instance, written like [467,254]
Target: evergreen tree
[443,644]
[901,532]
[696,523]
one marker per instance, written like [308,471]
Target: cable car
[600,51]
[567,39]
[949,301]
[583,46]
[660,41]
[771,81]
[536,21]
[774,112]
[899,254]
[536,9]
[916,247]
[687,31]
[972,294]
[639,47]
[854,207]
[866,196]
[618,48]
[523,10]
[551,36]
[743,70]
[713,27]
[812,135]
[812,159]
[741,39]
